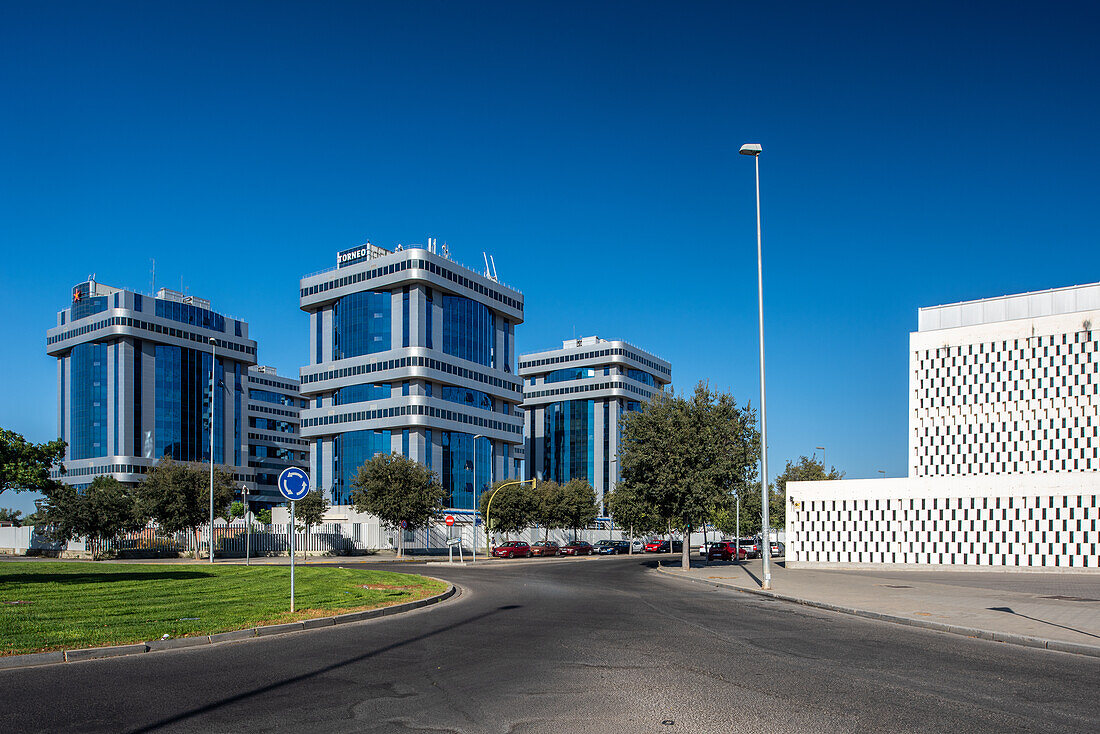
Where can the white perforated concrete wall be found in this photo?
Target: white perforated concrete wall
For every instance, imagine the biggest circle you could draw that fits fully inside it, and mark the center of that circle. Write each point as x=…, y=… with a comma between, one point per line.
x=1039, y=521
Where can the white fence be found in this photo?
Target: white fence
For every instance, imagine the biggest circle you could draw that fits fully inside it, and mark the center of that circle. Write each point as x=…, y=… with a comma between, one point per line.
x=330, y=538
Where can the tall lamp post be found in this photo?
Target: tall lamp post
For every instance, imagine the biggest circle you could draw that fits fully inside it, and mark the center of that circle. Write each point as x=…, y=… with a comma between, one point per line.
x=754, y=150
x=823, y=466
x=213, y=368
x=247, y=525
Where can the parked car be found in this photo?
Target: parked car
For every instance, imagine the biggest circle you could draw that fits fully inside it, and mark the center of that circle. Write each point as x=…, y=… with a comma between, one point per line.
x=661, y=546
x=513, y=549
x=778, y=548
x=751, y=546
x=577, y=548
x=703, y=547
x=725, y=550
x=612, y=547
x=545, y=548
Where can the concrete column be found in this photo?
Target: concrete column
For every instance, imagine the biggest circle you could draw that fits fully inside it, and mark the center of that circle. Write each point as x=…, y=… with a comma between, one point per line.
x=126, y=396
x=148, y=399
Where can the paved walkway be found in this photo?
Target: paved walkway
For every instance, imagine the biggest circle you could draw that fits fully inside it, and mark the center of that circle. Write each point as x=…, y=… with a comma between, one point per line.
x=1058, y=606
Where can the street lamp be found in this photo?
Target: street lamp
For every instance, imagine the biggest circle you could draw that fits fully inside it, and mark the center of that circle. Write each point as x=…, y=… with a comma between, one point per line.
x=754, y=150
x=822, y=450
x=213, y=367
x=489, y=505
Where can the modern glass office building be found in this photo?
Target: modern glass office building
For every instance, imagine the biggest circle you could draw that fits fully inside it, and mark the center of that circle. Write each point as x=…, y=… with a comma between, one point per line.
x=133, y=383
x=411, y=353
x=573, y=398
x=272, y=406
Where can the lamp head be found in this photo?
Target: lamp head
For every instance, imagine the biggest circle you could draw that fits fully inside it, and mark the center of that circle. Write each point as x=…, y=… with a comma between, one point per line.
x=750, y=149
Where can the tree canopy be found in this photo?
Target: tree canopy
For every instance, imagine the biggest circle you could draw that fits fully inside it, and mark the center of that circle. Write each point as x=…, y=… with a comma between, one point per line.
x=103, y=510
x=629, y=511
x=310, y=510
x=683, y=457
x=397, y=489
x=514, y=506
x=177, y=495
x=25, y=466
x=578, y=508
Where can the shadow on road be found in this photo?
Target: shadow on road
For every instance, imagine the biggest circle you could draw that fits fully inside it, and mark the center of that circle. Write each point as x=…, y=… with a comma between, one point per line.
x=1008, y=610
x=229, y=700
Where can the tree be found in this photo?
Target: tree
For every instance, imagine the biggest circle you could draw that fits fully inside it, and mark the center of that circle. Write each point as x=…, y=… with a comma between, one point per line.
x=263, y=516
x=236, y=510
x=311, y=509
x=549, y=501
x=25, y=466
x=579, y=506
x=398, y=490
x=102, y=511
x=630, y=511
x=684, y=456
x=807, y=469
x=177, y=495
x=514, y=507
x=12, y=516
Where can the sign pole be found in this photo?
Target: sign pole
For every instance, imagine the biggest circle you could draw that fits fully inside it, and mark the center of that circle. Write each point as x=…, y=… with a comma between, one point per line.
x=294, y=485
x=290, y=527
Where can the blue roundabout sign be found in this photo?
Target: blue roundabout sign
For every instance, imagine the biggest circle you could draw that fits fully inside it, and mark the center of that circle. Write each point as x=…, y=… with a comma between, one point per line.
x=293, y=483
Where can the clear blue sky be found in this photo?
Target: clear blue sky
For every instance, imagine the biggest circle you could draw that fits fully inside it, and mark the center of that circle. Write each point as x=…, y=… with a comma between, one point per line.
x=913, y=155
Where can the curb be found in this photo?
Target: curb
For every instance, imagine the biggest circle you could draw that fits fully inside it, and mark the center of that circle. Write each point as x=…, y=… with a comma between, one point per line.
x=95, y=653
x=1005, y=637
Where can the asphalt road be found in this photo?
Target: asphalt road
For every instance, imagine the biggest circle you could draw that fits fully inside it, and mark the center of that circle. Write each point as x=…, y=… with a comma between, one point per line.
x=601, y=645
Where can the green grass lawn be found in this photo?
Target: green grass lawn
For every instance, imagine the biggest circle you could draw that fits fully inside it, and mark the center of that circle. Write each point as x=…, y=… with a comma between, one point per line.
x=59, y=605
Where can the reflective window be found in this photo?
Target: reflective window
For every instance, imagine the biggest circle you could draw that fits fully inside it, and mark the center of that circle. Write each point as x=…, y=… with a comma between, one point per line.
x=640, y=376
x=361, y=324
x=88, y=306
x=272, y=424
x=187, y=313
x=569, y=440
x=88, y=401
x=268, y=396
x=468, y=330
x=139, y=443
x=138, y=302
x=405, y=317
x=361, y=393
x=468, y=397
x=459, y=466
x=570, y=373
x=182, y=391
x=351, y=451
x=428, y=310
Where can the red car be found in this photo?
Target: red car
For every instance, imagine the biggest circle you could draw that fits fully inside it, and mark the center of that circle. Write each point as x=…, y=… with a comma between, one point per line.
x=545, y=548
x=513, y=549
x=577, y=548
x=726, y=550
x=661, y=546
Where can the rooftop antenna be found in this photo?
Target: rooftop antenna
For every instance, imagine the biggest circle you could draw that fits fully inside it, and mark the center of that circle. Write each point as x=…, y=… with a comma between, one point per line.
x=153, y=276
x=446, y=251
x=486, y=257
x=494, y=262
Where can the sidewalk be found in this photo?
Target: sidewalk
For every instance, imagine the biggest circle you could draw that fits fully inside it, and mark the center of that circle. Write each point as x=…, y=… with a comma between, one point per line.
x=1057, y=611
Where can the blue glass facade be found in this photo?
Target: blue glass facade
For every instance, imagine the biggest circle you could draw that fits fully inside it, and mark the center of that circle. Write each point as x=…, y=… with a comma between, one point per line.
x=458, y=469
x=467, y=397
x=351, y=450
x=640, y=376
x=187, y=313
x=183, y=405
x=569, y=441
x=361, y=393
x=468, y=330
x=88, y=307
x=88, y=396
x=570, y=373
x=361, y=324
x=268, y=396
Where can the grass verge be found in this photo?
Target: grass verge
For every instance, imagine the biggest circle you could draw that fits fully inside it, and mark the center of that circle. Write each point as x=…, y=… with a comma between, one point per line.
x=61, y=605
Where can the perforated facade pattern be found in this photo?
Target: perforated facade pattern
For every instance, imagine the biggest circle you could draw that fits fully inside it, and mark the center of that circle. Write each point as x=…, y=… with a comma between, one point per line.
x=1006, y=397
x=992, y=521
